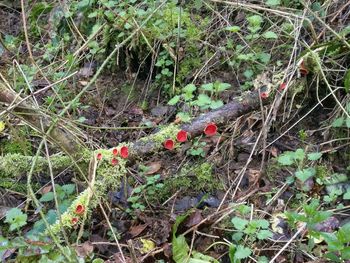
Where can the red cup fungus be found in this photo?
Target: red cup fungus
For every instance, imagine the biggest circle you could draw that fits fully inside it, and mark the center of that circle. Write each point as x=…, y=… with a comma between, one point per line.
x=282, y=86
x=114, y=162
x=115, y=151
x=75, y=220
x=264, y=95
x=210, y=129
x=124, y=152
x=302, y=69
x=99, y=156
x=169, y=144
x=181, y=136
x=79, y=209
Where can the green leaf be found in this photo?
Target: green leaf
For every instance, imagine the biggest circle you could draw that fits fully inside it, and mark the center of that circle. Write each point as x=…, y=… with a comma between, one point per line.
x=239, y=223
x=305, y=174
x=345, y=253
x=287, y=158
x=346, y=196
x=248, y=73
x=255, y=20
x=184, y=116
x=207, y=87
x=233, y=29
x=347, y=81
x=201, y=258
x=203, y=100
x=47, y=197
x=314, y=156
x=219, y=87
x=263, y=223
x=264, y=234
x=347, y=122
x=68, y=188
x=190, y=88
x=174, y=100
x=299, y=154
x=333, y=243
x=273, y=2
x=270, y=35
x=237, y=236
x=264, y=57
x=16, y=218
x=180, y=249
x=242, y=252
x=215, y=104
x=338, y=122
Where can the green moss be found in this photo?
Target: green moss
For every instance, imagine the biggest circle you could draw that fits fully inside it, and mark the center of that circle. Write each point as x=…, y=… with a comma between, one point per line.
x=191, y=180
x=14, y=165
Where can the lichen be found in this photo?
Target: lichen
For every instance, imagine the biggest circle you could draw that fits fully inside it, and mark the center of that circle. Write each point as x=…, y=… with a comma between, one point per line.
x=15, y=165
x=107, y=176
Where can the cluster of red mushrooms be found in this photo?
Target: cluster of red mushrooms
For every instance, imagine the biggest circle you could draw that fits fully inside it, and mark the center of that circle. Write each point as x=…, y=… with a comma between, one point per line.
x=79, y=211
x=182, y=136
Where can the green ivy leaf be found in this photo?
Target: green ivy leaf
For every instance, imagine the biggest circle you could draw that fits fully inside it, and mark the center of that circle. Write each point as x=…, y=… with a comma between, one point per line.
x=270, y=35
x=305, y=174
x=239, y=223
x=16, y=218
x=314, y=156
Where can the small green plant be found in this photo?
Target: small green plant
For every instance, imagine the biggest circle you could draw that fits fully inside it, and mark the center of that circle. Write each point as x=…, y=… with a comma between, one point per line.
x=148, y=189
x=301, y=161
x=206, y=99
x=197, y=149
x=246, y=232
x=16, y=219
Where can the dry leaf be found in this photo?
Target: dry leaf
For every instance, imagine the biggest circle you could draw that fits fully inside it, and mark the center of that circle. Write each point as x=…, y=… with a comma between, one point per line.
x=84, y=249
x=153, y=167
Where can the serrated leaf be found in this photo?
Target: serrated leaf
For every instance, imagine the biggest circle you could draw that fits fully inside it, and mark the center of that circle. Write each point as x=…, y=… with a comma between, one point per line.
x=314, y=156
x=216, y=104
x=299, y=154
x=347, y=81
x=264, y=234
x=287, y=158
x=270, y=35
x=174, y=100
x=190, y=88
x=15, y=218
x=242, y=252
x=239, y=223
x=47, y=197
x=203, y=100
x=207, y=87
x=305, y=174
